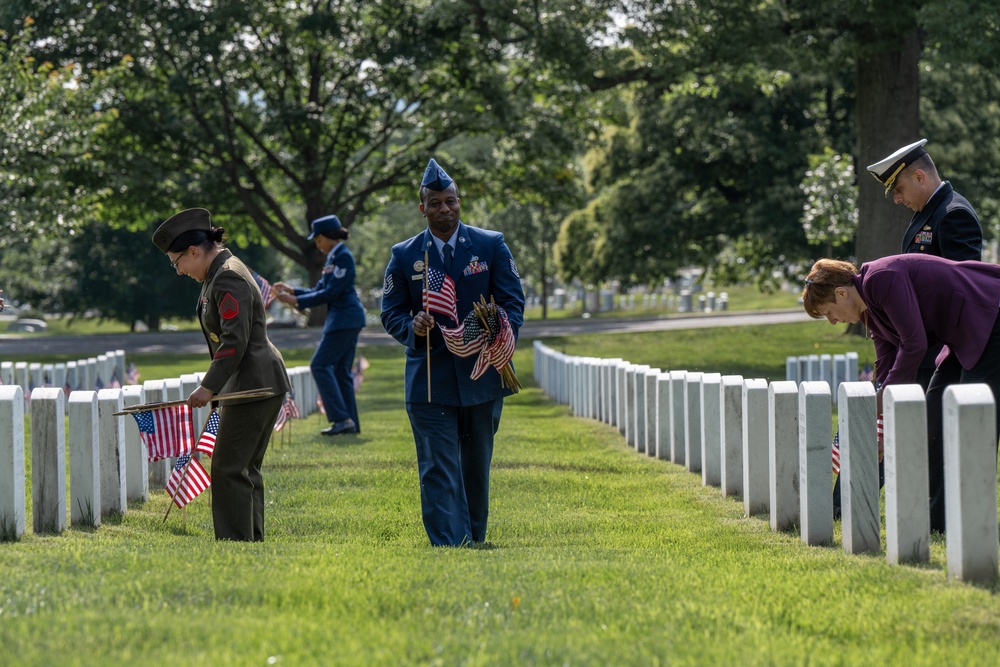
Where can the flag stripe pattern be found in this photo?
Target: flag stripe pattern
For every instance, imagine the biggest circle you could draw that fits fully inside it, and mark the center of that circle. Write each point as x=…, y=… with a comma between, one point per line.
x=500, y=351
x=836, y=453
x=439, y=294
x=194, y=481
x=168, y=432
x=281, y=419
x=132, y=374
x=467, y=338
x=206, y=443
x=265, y=289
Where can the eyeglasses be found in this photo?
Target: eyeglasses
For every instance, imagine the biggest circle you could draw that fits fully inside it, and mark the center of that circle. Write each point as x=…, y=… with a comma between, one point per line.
x=173, y=264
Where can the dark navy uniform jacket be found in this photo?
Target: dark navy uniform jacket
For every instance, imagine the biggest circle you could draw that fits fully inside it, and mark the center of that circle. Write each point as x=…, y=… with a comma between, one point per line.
x=946, y=227
x=336, y=289
x=482, y=266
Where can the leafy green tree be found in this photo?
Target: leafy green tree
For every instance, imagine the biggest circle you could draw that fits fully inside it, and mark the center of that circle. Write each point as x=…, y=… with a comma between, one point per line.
x=272, y=115
x=830, y=212
x=48, y=124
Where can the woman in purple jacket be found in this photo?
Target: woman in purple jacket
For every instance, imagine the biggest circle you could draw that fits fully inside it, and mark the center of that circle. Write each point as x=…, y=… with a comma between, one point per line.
x=908, y=302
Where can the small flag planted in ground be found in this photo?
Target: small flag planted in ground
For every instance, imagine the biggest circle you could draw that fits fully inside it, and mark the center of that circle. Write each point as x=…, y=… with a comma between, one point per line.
x=836, y=453
x=183, y=486
x=291, y=407
x=132, y=374
x=360, y=366
x=168, y=432
x=206, y=443
x=281, y=419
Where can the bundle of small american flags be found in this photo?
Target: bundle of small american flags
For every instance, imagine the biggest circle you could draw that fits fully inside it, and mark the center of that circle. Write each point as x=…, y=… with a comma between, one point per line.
x=169, y=432
x=486, y=329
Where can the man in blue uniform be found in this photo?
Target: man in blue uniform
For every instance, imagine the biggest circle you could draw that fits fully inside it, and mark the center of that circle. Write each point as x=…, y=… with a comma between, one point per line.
x=454, y=424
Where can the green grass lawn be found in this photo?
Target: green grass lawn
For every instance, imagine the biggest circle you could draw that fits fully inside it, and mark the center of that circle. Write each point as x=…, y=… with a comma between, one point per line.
x=598, y=555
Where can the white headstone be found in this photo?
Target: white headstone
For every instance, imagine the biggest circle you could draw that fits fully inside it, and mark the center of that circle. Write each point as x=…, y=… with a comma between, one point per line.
x=783, y=454
x=859, y=468
x=792, y=369
x=970, y=482
x=815, y=438
x=756, y=485
x=6, y=373
x=732, y=435
x=639, y=413
x=663, y=426
x=136, y=456
x=111, y=431
x=692, y=425
x=48, y=460
x=678, y=416
x=650, y=412
x=13, y=516
x=159, y=471
x=84, y=459
x=907, y=511
x=711, y=429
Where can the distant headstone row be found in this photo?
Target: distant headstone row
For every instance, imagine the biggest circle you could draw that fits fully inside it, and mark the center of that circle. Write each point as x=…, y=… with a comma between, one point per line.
x=108, y=462
x=831, y=369
x=770, y=445
x=105, y=371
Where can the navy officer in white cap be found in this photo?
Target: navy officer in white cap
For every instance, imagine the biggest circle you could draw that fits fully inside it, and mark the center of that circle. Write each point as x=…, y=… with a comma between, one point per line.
x=944, y=224
x=453, y=427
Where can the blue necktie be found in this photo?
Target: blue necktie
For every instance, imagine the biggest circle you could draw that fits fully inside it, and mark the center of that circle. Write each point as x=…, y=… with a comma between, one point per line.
x=447, y=258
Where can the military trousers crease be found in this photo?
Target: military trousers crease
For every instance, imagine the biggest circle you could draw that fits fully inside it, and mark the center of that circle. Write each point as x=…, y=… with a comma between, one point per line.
x=238, y=487
x=454, y=453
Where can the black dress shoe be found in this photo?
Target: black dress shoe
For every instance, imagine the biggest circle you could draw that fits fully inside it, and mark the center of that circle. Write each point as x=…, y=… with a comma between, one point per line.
x=340, y=428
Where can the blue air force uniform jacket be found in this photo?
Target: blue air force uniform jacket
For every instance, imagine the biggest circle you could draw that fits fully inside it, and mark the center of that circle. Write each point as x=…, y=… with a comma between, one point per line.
x=336, y=289
x=482, y=266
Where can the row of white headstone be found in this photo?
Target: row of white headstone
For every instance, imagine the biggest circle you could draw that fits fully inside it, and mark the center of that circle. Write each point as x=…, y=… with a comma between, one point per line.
x=770, y=444
x=108, y=462
x=830, y=368
x=85, y=374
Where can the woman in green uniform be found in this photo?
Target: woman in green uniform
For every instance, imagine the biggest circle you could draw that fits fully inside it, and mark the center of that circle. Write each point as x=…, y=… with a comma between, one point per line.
x=231, y=312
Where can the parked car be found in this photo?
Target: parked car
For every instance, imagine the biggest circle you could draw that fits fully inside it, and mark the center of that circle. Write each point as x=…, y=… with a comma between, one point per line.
x=27, y=325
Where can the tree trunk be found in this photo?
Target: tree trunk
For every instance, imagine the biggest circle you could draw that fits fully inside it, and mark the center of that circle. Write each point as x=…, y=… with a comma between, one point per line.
x=314, y=261
x=888, y=117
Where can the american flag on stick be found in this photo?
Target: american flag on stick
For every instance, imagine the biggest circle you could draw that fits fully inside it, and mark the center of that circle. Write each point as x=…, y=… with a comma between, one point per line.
x=168, y=432
x=206, y=443
x=132, y=374
x=836, y=453
x=187, y=480
x=265, y=289
x=439, y=297
x=281, y=419
x=291, y=407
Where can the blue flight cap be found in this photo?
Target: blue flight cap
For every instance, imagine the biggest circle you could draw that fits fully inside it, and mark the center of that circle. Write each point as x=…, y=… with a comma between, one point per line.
x=435, y=177
x=323, y=225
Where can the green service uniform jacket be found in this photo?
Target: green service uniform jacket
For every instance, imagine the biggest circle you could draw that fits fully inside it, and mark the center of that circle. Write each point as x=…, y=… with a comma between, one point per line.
x=231, y=312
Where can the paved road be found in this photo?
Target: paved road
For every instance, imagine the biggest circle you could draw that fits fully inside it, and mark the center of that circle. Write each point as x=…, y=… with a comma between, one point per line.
x=194, y=342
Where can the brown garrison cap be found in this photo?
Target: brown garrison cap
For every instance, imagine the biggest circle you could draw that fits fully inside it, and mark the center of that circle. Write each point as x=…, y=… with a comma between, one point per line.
x=177, y=224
